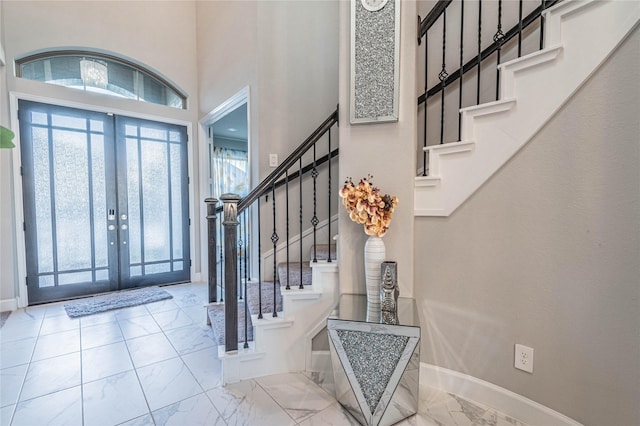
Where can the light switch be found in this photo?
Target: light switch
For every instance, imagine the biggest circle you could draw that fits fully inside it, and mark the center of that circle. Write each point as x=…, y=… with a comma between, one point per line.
x=273, y=160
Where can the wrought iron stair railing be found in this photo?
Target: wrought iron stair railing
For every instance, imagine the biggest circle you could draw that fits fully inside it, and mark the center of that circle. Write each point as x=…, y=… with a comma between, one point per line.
x=480, y=53
x=238, y=219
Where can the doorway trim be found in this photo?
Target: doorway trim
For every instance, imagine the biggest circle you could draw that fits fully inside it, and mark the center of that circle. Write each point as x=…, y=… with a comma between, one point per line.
x=241, y=97
x=18, y=208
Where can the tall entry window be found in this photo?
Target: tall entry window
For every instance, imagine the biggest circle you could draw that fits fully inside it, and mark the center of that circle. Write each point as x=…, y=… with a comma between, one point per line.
x=105, y=201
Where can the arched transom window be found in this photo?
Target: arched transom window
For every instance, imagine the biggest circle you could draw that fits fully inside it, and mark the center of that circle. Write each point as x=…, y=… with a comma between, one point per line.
x=103, y=73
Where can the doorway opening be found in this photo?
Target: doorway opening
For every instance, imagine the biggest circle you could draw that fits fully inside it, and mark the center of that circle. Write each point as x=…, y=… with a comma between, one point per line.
x=229, y=153
x=229, y=168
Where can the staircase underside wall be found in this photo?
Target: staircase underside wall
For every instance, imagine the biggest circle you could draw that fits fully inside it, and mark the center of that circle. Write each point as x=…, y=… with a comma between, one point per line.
x=579, y=37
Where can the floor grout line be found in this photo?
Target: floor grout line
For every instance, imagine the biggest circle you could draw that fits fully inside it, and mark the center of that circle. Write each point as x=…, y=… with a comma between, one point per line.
x=197, y=363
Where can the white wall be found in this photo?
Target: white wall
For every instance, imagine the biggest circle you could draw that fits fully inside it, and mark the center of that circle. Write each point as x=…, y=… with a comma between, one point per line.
x=227, y=51
x=286, y=52
x=546, y=255
x=385, y=151
x=297, y=72
x=8, y=276
x=159, y=35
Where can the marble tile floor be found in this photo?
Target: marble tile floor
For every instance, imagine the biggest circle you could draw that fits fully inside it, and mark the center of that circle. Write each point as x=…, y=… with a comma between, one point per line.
x=156, y=364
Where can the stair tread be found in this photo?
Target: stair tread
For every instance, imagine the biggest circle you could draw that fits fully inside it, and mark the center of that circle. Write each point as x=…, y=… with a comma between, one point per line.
x=216, y=316
x=267, y=297
x=297, y=274
x=323, y=251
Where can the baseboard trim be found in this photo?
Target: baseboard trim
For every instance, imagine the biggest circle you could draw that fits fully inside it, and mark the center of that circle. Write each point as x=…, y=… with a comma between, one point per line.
x=8, y=305
x=508, y=402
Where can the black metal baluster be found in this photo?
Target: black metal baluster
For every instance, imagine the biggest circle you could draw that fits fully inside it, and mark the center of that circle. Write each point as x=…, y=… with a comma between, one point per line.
x=246, y=302
x=443, y=74
x=240, y=244
x=259, y=264
x=498, y=38
x=300, y=236
x=286, y=184
x=426, y=98
x=479, y=49
x=314, y=219
x=542, y=6
x=519, y=28
x=246, y=322
x=274, y=240
x=329, y=199
x=246, y=246
x=221, y=258
x=461, y=68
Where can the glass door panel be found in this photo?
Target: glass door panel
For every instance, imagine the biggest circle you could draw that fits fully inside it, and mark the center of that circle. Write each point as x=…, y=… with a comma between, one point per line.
x=104, y=209
x=67, y=186
x=155, y=181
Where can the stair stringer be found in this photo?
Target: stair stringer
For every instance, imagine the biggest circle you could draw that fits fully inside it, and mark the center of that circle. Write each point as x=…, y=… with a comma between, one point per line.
x=580, y=36
x=280, y=343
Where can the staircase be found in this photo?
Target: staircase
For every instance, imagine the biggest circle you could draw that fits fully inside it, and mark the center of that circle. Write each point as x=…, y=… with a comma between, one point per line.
x=291, y=275
x=294, y=284
x=579, y=36
x=283, y=343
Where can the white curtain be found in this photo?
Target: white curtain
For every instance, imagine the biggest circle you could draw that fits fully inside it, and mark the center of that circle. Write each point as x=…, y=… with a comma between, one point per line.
x=230, y=172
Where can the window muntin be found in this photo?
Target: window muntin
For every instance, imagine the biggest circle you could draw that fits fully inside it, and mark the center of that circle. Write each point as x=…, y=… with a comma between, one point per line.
x=100, y=73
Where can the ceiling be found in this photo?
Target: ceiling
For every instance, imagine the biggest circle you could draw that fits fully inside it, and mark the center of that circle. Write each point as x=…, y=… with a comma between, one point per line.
x=236, y=119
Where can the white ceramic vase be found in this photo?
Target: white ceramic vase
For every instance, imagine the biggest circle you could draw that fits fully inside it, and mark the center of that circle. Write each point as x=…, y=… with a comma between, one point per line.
x=374, y=255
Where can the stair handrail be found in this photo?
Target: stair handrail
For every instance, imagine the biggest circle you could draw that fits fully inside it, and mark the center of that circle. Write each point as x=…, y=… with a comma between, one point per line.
x=268, y=181
x=438, y=10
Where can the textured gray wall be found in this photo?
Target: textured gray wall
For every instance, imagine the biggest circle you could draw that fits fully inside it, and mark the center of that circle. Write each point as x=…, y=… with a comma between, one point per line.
x=547, y=254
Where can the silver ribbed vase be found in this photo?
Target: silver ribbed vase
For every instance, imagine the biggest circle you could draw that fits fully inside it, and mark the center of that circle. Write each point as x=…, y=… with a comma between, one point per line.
x=374, y=254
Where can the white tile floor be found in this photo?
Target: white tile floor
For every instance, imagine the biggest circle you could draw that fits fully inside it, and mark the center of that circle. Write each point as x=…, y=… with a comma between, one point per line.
x=156, y=364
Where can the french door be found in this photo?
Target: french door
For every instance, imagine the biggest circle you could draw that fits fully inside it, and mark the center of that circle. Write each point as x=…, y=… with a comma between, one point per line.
x=105, y=202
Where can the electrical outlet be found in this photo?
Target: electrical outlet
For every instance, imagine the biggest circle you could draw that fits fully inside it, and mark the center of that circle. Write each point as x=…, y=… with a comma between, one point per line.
x=273, y=160
x=523, y=359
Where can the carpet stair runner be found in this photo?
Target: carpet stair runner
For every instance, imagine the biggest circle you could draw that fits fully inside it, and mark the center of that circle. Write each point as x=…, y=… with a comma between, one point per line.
x=301, y=272
x=297, y=273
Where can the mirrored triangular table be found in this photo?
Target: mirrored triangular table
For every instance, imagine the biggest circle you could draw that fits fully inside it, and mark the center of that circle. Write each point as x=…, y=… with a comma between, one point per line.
x=376, y=359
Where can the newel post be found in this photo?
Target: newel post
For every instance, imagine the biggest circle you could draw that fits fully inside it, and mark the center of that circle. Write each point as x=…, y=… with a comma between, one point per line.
x=230, y=222
x=211, y=244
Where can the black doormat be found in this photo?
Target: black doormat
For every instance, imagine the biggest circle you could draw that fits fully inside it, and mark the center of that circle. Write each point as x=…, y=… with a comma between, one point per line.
x=117, y=300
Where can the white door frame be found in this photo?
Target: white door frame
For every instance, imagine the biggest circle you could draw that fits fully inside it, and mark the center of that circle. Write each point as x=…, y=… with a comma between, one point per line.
x=241, y=97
